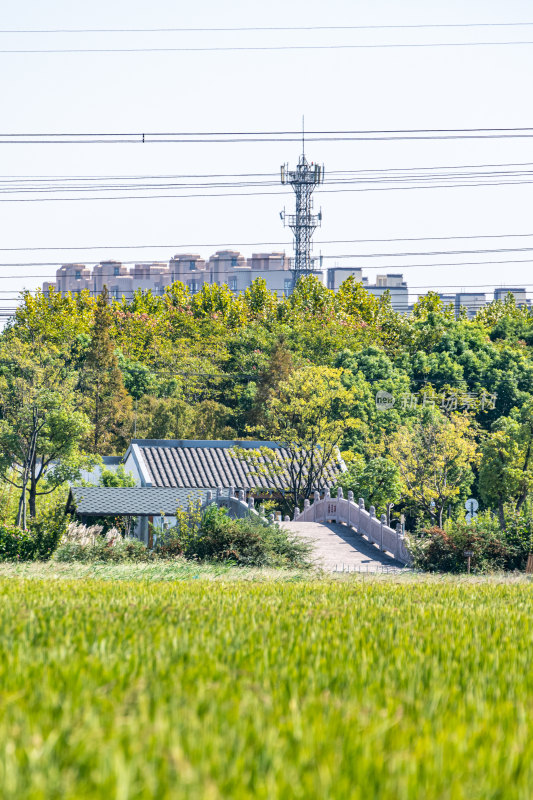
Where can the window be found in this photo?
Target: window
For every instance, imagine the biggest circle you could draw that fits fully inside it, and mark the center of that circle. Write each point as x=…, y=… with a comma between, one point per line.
x=234, y=261
x=287, y=286
x=78, y=274
x=193, y=286
x=116, y=271
x=233, y=284
x=192, y=264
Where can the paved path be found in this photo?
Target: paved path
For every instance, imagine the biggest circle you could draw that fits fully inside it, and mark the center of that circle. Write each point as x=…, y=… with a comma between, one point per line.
x=337, y=547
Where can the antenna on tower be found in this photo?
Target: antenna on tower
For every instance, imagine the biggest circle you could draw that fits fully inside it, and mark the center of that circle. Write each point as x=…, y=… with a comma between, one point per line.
x=304, y=179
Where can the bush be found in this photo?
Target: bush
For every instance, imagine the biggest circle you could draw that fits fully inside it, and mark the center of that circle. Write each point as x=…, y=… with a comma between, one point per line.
x=213, y=535
x=38, y=542
x=438, y=550
x=47, y=530
x=15, y=544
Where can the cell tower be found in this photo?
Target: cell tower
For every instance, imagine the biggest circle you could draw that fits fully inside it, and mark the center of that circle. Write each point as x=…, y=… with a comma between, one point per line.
x=303, y=223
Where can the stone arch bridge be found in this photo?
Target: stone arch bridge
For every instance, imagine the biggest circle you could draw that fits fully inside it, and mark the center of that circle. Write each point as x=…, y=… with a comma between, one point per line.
x=343, y=534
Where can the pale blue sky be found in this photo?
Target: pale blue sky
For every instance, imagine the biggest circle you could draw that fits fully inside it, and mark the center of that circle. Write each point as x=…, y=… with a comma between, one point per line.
x=336, y=89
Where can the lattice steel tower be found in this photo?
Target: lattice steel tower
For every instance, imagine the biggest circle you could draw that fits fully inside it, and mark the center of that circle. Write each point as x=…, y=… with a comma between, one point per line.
x=303, y=223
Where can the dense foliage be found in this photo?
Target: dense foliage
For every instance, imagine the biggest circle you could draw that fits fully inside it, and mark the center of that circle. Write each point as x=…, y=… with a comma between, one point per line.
x=78, y=375
x=209, y=535
x=492, y=547
x=214, y=536
x=37, y=542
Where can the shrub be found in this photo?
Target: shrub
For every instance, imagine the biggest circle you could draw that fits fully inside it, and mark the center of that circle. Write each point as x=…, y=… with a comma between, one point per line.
x=213, y=535
x=15, y=544
x=38, y=542
x=438, y=550
x=47, y=530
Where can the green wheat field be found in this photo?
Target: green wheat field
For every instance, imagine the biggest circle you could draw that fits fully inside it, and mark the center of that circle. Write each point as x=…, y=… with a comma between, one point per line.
x=234, y=684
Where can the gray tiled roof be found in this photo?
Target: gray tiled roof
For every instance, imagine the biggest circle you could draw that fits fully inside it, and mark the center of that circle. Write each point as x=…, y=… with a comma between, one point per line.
x=191, y=464
x=135, y=501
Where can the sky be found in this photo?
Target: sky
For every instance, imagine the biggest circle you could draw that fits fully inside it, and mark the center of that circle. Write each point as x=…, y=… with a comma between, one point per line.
x=342, y=89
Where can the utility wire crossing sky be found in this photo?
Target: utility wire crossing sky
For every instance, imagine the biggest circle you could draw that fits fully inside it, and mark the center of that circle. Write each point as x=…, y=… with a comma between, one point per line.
x=387, y=93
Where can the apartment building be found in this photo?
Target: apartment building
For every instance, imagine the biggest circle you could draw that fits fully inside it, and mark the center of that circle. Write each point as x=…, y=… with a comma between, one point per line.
x=519, y=295
x=225, y=267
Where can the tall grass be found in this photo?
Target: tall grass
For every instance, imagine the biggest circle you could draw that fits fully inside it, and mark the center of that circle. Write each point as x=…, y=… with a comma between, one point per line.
x=382, y=688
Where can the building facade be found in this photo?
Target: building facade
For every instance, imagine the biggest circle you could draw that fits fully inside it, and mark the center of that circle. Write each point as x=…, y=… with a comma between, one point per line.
x=224, y=268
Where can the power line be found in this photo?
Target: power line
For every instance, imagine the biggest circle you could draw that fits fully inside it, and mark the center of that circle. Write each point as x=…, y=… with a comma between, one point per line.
x=262, y=194
x=266, y=244
x=402, y=267
x=261, y=48
x=406, y=254
x=458, y=287
x=341, y=178
x=273, y=175
x=270, y=28
x=263, y=136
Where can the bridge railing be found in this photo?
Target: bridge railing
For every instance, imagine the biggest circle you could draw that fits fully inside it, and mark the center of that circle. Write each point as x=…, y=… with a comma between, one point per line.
x=237, y=504
x=354, y=515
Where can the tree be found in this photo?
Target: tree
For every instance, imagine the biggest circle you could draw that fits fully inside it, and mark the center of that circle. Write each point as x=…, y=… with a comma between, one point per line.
x=506, y=472
x=435, y=458
x=107, y=401
x=278, y=370
x=307, y=417
x=116, y=478
x=377, y=481
x=40, y=427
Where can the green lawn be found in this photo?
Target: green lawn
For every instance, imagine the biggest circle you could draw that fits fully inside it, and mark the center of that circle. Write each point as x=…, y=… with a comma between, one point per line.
x=264, y=686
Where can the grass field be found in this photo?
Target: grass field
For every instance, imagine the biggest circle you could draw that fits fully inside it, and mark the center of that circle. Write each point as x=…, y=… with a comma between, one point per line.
x=296, y=687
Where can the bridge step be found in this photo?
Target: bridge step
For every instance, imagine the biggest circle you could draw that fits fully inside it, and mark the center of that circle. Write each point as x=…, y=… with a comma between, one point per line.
x=337, y=547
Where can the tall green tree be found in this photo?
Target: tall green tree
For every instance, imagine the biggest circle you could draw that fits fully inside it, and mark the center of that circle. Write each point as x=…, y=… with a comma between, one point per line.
x=435, y=458
x=277, y=371
x=377, y=481
x=107, y=402
x=506, y=472
x=307, y=417
x=40, y=427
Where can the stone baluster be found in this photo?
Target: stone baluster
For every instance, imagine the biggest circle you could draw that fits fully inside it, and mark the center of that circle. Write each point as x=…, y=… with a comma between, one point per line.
x=398, y=538
x=350, y=520
x=383, y=521
x=296, y=513
x=340, y=493
x=232, y=491
x=241, y=495
x=209, y=497
x=372, y=514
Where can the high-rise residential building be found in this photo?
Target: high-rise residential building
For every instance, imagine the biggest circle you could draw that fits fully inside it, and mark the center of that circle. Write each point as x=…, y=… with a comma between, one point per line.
x=225, y=267
x=471, y=301
x=519, y=294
